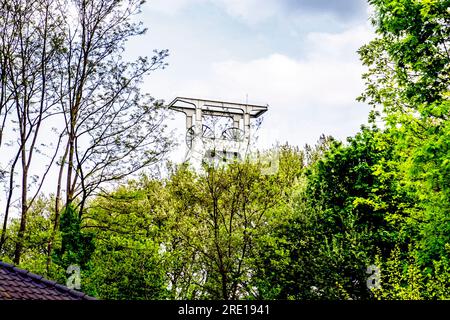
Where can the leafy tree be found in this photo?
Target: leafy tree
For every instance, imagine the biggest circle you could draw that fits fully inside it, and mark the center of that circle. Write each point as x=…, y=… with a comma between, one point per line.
x=340, y=216
x=76, y=246
x=35, y=239
x=128, y=224
x=28, y=48
x=404, y=278
x=224, y=211
x=112, y=129
x=409, y=79
x=307, y=231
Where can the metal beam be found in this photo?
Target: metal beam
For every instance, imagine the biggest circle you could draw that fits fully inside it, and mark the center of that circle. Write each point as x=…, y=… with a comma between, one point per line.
x=215, y=107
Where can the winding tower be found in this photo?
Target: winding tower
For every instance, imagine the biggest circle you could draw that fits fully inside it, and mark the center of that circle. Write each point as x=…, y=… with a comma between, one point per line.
x=216, y=131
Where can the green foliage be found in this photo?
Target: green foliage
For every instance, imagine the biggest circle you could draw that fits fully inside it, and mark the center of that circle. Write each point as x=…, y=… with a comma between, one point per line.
x=309, y=231
x=126, y=269
x=76, y=246
x=409, y=78
x=403, y=278
x=35, y=240
x=224, y=212
x=339, y=217
x=127, y=263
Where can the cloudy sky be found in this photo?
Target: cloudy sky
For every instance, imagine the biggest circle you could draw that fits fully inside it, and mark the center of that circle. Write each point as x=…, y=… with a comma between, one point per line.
x=297, y=56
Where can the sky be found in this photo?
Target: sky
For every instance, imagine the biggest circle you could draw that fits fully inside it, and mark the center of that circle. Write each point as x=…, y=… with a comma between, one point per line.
x=298, y=56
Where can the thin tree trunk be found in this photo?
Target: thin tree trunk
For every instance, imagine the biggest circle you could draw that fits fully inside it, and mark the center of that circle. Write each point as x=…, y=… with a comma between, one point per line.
x=57, y=213
x=23, y=218
x=8, y=201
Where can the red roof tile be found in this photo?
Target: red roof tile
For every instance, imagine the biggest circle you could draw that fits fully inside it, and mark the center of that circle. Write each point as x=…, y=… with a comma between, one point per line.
x=18, y=284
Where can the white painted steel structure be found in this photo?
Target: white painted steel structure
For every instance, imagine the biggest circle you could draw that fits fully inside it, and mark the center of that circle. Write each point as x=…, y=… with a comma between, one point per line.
x=203, y=144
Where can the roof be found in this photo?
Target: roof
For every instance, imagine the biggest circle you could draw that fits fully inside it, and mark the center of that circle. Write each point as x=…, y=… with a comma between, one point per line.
x=18, y=284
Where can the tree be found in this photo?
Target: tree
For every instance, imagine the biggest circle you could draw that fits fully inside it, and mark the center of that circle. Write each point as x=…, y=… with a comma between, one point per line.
x=409, y=79
x=113, y=130
x=102, y=102
x=129, y=225
x=408, y=84
x=76, y=246
x=225, y=212
x=404, y=278
x=335, y=223
x=63, y=60
x=28, y=47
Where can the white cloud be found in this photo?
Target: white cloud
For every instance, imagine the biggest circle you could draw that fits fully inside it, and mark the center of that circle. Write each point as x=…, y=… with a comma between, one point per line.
x=307, y=97
x=310, y=87
x=251, y=11
x=337, y=46
x=256, y=11
x=171, y=7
